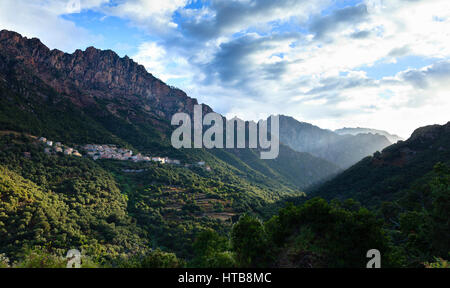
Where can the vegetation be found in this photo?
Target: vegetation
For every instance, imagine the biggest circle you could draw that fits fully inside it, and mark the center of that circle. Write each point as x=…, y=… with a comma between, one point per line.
x=50, y=203
x=440, y=263
x=243, y=212
x=59, y=202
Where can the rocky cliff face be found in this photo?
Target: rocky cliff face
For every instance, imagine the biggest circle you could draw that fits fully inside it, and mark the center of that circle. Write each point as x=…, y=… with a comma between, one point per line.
x=423, y=140
x=90, y=76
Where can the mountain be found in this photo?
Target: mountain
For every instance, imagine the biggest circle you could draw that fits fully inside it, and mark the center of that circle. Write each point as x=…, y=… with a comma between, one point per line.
x=342, y=150
x=96, y=97
x=121, y=213
x=355, y=131
x=408, y=186
x=407, y=190
x=387, y=175
x=91, y=76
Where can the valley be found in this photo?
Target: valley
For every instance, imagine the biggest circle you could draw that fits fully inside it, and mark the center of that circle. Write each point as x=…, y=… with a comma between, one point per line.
x=115, y=187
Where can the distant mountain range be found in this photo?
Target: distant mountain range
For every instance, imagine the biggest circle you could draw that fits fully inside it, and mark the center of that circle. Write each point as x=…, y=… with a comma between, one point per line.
x=342, y=150
x=354, y=131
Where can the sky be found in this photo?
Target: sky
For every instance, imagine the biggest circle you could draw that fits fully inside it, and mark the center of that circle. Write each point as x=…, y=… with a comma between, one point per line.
x=382, y=64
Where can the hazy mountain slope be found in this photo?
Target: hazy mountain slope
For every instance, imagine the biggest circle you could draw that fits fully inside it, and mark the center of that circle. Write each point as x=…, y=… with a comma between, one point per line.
x=343, y=150
x=385, y=176
x=355, y=131
x=294, y=167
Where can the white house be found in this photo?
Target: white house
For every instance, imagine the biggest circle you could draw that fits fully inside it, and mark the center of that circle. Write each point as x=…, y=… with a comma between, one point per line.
x=173, y=161
x=159, y=159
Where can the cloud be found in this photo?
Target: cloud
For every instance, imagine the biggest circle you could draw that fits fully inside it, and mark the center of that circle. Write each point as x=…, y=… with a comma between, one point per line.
x=321, y=26
x=361, y=34
x=337, y=84
x=154, y=16
x=225, y=17
x=398, y=52
x=43, y=20
x=421, y=78
x=165, y=66
x=239, y=60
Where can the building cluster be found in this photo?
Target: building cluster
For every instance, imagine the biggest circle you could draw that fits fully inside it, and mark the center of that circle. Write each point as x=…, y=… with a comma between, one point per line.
x=133, y=170
x=109, y=151
x=201, y=164
x=58, y=147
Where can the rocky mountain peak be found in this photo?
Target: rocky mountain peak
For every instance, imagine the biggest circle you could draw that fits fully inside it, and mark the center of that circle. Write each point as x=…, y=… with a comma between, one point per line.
x=93, y=74
x=429, y=132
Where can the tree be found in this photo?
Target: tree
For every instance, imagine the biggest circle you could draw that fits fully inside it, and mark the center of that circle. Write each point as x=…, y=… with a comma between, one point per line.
x=440, y=214
x=211, y=251
x=249, y=242
x=161, y=259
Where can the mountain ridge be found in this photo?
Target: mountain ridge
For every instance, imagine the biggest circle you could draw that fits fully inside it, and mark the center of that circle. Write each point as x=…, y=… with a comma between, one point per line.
x=359, y=130
x=343, y=150
x=386, y=175
x=120, y=76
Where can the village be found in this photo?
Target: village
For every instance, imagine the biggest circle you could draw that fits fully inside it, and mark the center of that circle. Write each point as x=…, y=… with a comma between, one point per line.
x=58, y=147
x=111, y=151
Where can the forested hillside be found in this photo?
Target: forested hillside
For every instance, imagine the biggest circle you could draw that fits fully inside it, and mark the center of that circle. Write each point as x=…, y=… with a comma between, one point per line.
x=107, y=210
x=408, y=186
x=388, y=175
x=410, y=232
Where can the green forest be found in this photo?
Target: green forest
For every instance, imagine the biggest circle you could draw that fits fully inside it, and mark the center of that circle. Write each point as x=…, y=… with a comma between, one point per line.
x=168, y=216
